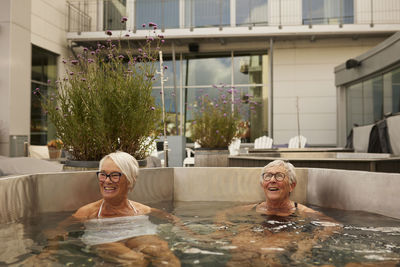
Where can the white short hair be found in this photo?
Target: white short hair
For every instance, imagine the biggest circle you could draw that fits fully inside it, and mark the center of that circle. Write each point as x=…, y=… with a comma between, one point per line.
x=288, y=167
x=126, y=163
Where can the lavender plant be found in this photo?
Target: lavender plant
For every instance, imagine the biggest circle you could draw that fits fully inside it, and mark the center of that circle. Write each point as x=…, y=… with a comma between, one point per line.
x=104, y=102
x=217, y=120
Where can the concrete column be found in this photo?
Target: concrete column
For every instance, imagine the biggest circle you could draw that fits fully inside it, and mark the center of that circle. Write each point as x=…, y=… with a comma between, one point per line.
x=15, y=71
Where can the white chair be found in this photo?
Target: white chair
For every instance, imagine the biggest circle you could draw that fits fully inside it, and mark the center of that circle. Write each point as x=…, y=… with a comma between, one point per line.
x=263, y=142
x=234, y=147
x=298, y=141
x=189, y=160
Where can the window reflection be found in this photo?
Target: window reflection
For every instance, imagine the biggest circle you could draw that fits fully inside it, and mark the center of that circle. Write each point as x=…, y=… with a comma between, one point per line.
x=208, y=71
x=201, y=74
x=253, y=12
x=207, y=13
x=113, y=11
x=164, y=13
x=328, y=12
x=44, y=73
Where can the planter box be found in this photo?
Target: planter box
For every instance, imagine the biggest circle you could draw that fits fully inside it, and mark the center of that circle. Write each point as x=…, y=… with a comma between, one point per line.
x=211, y=157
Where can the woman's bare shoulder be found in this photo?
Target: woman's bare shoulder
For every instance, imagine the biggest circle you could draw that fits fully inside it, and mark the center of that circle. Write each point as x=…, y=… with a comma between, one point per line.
x=141, y=208
x=88, y=211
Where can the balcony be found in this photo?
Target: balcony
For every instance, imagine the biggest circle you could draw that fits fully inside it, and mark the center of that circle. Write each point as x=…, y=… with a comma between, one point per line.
x=232, y=18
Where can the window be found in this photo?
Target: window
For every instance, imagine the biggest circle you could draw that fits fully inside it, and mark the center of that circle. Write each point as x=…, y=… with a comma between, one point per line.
x=199, y=74
x=391, y=85
x=328, y=12
x=44, y=75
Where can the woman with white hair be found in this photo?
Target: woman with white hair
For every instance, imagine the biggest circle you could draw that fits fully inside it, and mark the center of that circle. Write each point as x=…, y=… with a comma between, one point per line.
x=278, y=180
x=116, y=176
x=117, y=228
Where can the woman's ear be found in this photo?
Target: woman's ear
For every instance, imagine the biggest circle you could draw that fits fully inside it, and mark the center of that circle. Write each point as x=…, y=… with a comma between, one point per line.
x=292, y=186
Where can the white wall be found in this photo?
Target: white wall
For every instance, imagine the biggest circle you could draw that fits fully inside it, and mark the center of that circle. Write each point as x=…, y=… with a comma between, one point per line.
x=49, y=24
x=305, y=69
x=14, y=70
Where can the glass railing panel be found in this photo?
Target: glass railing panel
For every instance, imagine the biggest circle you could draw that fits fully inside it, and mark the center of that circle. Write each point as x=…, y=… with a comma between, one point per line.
x=251, y=12
x=207, y=13
x=165, y=13
x=328, y=12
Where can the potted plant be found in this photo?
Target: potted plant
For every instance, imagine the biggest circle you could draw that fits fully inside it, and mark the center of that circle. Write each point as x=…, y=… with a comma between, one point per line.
x=218, y=119
x=55, y=147
x=104, y=101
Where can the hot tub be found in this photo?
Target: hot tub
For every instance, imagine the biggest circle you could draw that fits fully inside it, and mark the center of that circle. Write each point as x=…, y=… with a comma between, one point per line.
x=33, y=196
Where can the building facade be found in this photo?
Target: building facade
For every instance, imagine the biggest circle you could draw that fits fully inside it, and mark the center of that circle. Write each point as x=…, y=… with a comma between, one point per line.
x=368, y=87
x=282, y=53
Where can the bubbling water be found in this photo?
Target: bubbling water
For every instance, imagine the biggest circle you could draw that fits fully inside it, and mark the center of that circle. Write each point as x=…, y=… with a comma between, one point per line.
x=246, y=238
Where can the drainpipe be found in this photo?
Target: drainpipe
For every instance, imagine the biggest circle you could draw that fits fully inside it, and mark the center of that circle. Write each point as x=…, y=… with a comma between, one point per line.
x=271, y=89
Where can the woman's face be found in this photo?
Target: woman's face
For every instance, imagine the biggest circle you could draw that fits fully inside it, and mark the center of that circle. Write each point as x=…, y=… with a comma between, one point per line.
x=275, y=190
x=110, y=189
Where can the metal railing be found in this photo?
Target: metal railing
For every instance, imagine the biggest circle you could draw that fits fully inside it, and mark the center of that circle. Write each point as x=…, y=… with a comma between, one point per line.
x=99, y=15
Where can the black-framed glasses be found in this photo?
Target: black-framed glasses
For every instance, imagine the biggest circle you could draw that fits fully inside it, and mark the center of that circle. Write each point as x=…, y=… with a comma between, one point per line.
x=279, y=176
x=114, y=176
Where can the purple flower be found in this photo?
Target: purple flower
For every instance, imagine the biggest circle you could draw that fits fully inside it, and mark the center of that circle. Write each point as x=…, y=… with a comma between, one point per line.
x=217, y=131
x=64, y=61
x=85, y=49
x=162, y=41
x=152, y=24
x=57, y=108
x=140, y=50
x=224, y=114
x=90, y=60
x=48, y=81
x=124, y=19
x=155, y=27
x=152, y=108
x=74, y=62
x=165, y=67
x=143, y=25
x=83, y=79
x=121, y=57
x=127, y=35
x=71, y=73
x=108, y=32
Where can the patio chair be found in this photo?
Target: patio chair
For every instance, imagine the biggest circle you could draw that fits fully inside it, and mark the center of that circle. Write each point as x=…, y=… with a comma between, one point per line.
x=263, y=142
x=298, y=141
x=189, y=160
x=234, y=147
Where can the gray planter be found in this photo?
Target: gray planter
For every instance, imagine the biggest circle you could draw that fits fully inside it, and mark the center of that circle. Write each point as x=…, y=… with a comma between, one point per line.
x=204, y=157
x=81, y=165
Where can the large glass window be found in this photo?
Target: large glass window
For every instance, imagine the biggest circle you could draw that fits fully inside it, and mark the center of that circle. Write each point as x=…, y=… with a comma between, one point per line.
x=164, y=13
x=198, y=77
x=251, y=12
x=44, y=75
x=328, y=12
x=207, y=13
x=391, y=83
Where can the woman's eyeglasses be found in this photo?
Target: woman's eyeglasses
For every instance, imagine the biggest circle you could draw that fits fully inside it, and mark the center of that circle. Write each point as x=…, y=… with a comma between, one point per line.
x=279, y=176
x=114, y=176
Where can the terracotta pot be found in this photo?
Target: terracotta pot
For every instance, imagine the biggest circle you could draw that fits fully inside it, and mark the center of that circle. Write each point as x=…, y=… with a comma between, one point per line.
x=54, y=153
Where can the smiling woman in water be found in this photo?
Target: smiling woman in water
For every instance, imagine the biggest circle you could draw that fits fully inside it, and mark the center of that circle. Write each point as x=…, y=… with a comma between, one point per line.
x=277, y=228
x=119, y=230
